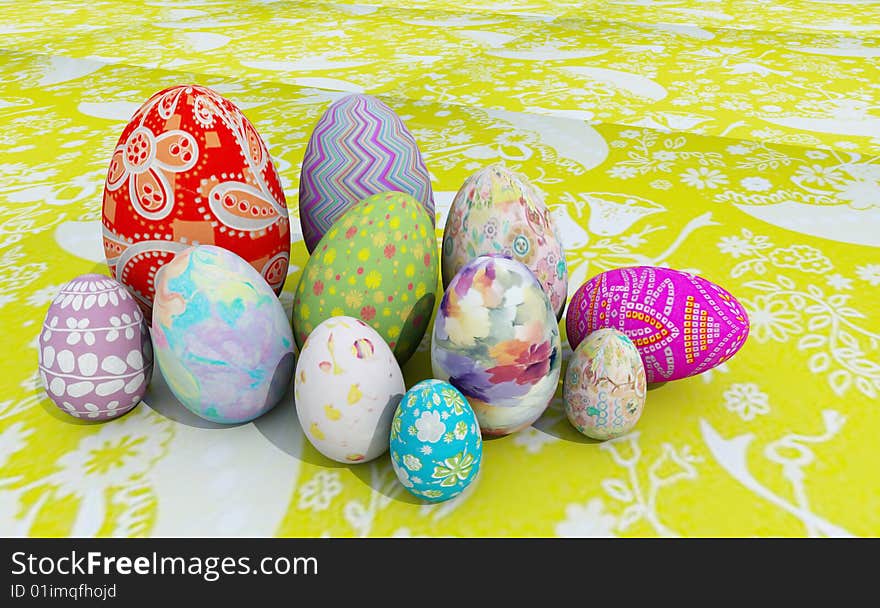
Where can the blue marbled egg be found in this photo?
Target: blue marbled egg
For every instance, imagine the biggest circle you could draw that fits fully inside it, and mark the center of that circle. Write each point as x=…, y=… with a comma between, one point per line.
x=436, y=447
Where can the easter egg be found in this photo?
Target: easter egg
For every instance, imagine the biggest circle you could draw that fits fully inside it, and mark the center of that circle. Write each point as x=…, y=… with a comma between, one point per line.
x=359, y=147
x=436, y=448
x=500, y=211
x=190, y=169
x=605, y=386
x=496, y=340
x=378, y=263
x=221, y=337
x=346, y=387
x=95, y=356
x=681, y=323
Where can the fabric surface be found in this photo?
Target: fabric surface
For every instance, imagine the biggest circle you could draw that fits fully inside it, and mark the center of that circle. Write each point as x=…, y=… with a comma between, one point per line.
x=735, y=139
x=188, y=139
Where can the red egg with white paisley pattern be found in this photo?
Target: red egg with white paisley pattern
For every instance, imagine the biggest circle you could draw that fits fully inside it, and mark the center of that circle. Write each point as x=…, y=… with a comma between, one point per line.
x=190, y=168
x=681, y=323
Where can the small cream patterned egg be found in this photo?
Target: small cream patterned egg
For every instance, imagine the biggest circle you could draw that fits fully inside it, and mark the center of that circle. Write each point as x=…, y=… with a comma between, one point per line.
x=605, y=387
x=95, y=354
x=347, y=387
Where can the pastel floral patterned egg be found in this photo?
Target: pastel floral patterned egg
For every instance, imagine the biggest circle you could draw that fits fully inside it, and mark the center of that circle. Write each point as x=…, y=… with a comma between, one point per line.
x=681, y=324
x=436, y=447
x=496, y=340
x=95, y=355
x=499, y=211
x=379, y=264
x=605, y=386
x=222, y=340
x=359, y=147
x=189, y=169
x=346, y=388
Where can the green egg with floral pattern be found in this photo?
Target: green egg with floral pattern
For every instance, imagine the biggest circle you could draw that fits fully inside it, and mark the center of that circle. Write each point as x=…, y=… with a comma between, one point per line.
x=378, y=263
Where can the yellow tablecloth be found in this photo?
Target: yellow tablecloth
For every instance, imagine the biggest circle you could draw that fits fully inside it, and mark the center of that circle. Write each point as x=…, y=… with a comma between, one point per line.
x=735, y=138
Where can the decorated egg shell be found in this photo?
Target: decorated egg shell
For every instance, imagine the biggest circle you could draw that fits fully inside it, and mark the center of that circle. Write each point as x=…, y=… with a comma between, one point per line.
x=680, y=323
x=436, y=448
x=500, y=211
x=496, y=340
x=359, y=148
x=378, y=263
x=604, y=389
x=222, y=340
x=95, y=356
x=347, y=386
x=190, y=169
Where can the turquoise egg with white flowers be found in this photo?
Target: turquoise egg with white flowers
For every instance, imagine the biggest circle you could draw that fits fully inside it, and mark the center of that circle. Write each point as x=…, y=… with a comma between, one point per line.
x=436, y=447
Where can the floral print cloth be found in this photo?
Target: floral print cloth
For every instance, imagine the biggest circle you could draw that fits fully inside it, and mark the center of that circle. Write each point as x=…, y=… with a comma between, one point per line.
x=739, y=140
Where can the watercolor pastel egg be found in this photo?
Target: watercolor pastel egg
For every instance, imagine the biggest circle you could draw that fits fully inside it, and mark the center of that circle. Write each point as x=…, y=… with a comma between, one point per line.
x=496, y=340
x=346, y=388
x=359, y=147
x=222, y=340
x=95, y=355
x=378, y=263
x=681, y=324
x=436, y=447
x=605, y=385
x=498, y=211
x=190, y=169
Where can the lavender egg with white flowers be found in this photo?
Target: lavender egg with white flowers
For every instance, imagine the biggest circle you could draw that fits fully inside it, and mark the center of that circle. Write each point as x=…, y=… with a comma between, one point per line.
x=95, y=355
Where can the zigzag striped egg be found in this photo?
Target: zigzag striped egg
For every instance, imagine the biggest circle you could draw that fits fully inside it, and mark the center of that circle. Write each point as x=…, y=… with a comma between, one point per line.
x=681, y=324
x=359, y=148
x=190, y=169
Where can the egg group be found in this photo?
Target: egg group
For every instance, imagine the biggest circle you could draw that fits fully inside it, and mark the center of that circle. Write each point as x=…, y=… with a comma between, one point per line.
x=605, y=387
x=358, y=148
x=436, y=448
x=188, y=169
x=378, y=263
x=95, y=356
x=196, y=236
x=681, y=324
x=221, y=337
x=496, y=340
x=499, y=211
x=347, y=387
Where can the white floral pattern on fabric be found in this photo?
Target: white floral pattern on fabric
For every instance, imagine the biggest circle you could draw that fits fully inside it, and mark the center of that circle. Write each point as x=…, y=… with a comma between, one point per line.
x=13, y=440
x=869, y=273
x=533, y=439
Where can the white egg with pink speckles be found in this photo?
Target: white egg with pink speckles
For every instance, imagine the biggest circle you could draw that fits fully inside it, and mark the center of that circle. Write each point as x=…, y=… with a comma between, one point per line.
x=95, y=355
x=347, y=386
